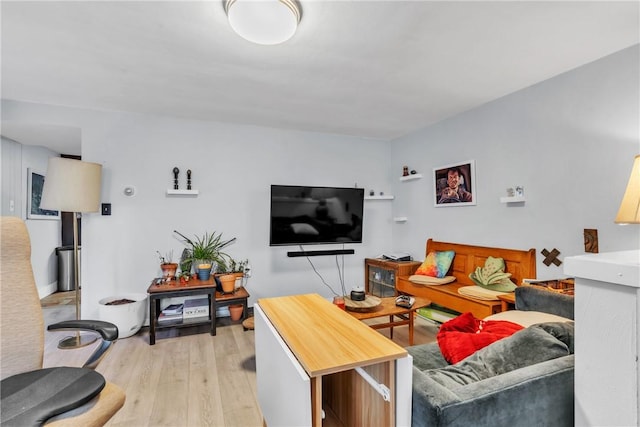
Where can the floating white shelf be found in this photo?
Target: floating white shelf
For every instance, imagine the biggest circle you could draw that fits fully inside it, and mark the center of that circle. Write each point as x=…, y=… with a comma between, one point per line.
x=411, y=177
x=385, y=197
x=400, y=219
x=513, y=199
x=172, y=192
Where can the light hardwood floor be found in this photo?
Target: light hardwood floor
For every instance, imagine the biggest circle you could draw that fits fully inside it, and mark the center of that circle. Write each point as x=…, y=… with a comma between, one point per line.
x=191, y=380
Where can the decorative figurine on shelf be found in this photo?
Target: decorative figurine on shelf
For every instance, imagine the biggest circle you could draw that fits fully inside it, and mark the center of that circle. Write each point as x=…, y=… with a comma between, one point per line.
x=372, y=193
x=519, y=191
x=413, y=172
x=188, y=179
x=176, y=171
x=405, y=171
x=382, y=193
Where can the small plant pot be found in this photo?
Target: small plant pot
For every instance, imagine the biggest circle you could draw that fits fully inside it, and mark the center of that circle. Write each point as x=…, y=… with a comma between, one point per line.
x=239, y=277
x=235, y=310
x=204, y=271
x=228, y=282
x=169, y=270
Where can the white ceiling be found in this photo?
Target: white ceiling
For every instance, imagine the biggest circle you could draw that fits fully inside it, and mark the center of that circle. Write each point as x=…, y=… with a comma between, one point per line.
x=376, y=69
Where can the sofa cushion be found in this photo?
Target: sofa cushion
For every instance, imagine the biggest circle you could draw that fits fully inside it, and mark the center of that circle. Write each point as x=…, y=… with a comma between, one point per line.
x=427, y=356
x=464, y=335
x=527, y=318
x=431, y=281
x=527, y=347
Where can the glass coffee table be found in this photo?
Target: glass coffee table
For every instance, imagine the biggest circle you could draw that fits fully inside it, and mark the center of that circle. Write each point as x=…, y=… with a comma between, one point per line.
x=398, y=316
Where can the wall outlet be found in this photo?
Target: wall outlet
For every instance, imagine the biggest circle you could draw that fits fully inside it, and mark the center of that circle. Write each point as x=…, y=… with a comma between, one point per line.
x=247, y=271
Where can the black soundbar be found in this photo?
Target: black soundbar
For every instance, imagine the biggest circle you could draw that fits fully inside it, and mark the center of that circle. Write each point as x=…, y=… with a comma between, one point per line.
x=320, y=253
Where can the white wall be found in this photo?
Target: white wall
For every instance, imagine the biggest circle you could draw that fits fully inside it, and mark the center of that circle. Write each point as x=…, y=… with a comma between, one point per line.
x=233, y=167
x=570, y=141
x=45, y=234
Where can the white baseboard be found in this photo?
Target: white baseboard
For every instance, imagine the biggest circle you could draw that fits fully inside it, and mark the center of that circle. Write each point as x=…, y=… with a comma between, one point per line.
x=44, y=291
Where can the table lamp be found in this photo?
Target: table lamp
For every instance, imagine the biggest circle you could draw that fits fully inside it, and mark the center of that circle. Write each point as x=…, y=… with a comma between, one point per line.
x=629, y=212
x=73, y=186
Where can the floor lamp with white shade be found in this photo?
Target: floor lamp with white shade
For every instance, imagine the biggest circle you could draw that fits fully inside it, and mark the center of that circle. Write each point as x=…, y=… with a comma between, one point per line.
x=73, y=186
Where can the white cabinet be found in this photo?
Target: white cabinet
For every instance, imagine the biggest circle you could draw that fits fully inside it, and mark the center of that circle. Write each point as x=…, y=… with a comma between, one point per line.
x=317, y=365
x=607, y=300
x=280, y=379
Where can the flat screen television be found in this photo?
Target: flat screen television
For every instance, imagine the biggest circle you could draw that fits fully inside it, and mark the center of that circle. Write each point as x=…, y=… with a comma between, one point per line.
x=315, y=215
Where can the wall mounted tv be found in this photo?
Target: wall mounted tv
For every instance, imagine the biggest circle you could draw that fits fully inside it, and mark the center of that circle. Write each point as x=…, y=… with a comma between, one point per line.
x=315, y=215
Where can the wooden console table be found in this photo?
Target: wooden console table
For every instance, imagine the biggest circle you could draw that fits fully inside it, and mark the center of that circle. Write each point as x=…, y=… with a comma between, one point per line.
x=312, y=364
x=389, y=308
x=172, y=289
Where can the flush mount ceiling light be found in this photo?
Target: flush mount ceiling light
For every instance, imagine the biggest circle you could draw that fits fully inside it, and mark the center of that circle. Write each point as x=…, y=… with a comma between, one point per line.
x=265, y=22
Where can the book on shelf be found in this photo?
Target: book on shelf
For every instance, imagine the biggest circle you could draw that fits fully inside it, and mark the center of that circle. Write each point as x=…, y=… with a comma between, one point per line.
x=169, y=318
x=223, y=311
x=437, y=313
x=196, y=308
x=195, y=319
x=173, y=309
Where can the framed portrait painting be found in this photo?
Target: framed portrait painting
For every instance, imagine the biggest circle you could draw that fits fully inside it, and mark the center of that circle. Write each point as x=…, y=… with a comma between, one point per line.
x=455, y=184
x=35, y=184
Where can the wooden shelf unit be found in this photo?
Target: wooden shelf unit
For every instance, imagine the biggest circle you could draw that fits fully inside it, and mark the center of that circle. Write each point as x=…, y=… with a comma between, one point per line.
x=173, y=289
x=381, y=276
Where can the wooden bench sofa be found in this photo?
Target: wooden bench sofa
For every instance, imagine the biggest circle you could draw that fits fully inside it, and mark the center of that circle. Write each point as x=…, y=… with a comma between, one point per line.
x=520, y=263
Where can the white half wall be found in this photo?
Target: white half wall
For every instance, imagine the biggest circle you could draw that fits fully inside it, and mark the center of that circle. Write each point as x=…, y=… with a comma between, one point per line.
x=570, y=141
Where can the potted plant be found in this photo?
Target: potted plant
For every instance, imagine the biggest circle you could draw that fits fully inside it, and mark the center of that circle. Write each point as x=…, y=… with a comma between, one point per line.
x=167, y=265
x=231, y=275
x=185, y=266
x=228, y=282
x=206, y=252
x=235, y=311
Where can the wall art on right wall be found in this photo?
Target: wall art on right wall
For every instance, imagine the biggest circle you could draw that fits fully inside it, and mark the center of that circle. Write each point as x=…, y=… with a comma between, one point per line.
x=455, y=184
x=591, y=240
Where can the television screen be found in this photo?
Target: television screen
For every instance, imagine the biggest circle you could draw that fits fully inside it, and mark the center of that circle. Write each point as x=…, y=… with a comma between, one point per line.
x=315, y=215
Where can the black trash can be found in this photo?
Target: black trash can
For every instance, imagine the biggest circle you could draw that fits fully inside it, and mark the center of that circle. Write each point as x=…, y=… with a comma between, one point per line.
x=65, y=268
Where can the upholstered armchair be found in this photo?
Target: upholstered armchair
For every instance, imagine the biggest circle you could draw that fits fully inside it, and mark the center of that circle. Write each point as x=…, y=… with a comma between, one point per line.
x=31, y=395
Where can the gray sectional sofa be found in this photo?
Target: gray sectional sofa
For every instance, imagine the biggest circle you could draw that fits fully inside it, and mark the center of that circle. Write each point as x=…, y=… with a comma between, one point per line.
x=522, y=380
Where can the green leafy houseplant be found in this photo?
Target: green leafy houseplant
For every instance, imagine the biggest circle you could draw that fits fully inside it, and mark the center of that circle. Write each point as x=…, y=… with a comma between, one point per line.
x=233, y=266
x=230, y=273
x=185, y=263
x=206, y=249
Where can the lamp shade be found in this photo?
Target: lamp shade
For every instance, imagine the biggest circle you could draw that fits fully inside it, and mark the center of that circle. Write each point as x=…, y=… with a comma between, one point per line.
x=71, y=186
x=629, y=212
x=266, y=22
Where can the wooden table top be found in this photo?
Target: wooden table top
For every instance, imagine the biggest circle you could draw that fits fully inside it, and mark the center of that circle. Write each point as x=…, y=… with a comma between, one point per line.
x=324, y=338
x=509, y=298
x=175, y=285
x=195, y=283
x=388, y=307
x=241, y=292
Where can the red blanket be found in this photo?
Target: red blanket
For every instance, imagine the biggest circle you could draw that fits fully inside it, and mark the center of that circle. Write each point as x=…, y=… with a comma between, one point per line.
x=462, y=336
